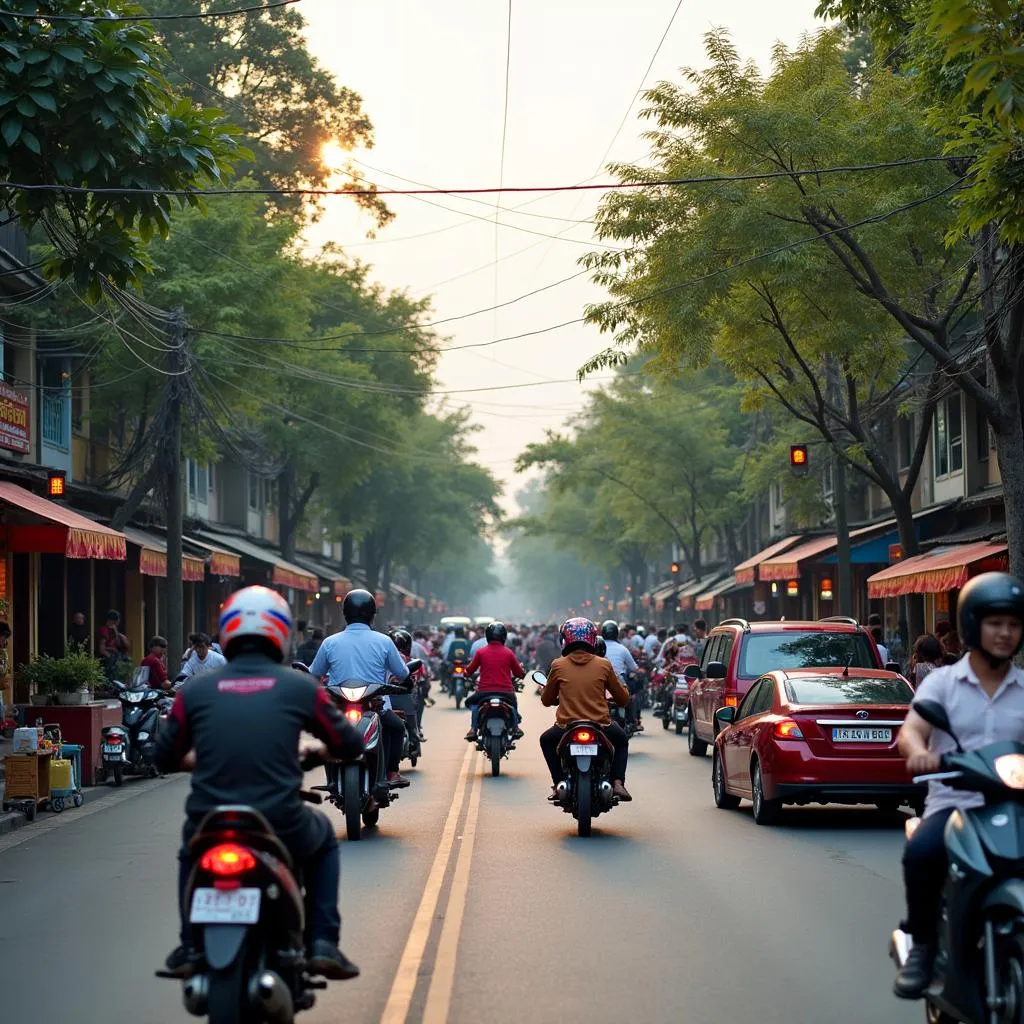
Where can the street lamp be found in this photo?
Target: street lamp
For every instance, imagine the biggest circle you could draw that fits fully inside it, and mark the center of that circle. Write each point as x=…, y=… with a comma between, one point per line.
x=55, y=483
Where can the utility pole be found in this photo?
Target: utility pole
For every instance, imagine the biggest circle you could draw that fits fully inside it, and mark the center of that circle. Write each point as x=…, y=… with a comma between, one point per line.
x=844, y=575
x=177, y=365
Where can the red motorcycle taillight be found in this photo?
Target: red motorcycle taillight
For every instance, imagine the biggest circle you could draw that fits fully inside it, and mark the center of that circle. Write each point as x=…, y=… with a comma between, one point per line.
x=583, y=736
x=227, y=859
x=353, y=714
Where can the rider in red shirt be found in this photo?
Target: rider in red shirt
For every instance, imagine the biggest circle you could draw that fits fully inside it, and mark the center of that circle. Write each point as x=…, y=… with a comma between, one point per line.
x=498, y=667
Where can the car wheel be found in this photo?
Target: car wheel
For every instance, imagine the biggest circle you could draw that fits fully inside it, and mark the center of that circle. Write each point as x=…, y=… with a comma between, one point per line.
x=696, y=747
x=766, y=812
x=723, y=798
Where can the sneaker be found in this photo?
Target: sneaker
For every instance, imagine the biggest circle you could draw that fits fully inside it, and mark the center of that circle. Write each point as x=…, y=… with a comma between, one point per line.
x=619, y=790
x=397, y=781
x=178, y=961
x=471, y=735
x=518, y=734
x=329, y=962
x=915, y=975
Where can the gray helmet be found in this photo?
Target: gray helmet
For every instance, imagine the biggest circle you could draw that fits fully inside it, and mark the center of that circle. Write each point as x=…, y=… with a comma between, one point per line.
x=991, y=593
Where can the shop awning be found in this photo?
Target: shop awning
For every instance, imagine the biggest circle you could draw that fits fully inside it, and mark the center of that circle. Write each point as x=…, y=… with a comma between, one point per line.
x=945, y=568
x=786, y=566
x=746, y=572
x=68, y=533
x=153, y=556
x=283, y=574
x=689, y=592
x=706, y=601
x=409, y=598
x=323, y=571
x=220, y=561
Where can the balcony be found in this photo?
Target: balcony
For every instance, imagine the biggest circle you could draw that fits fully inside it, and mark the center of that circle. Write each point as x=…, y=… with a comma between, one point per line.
x=55, y=414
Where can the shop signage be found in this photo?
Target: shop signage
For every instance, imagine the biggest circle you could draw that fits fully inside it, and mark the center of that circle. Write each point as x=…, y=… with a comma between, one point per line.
x=14, y=420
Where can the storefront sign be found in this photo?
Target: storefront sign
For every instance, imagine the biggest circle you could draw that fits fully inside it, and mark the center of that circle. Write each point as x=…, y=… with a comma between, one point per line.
x=14, y=420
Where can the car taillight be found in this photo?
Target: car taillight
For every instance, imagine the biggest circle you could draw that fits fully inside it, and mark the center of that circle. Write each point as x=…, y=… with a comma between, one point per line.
x=227, y=859
x=583, y=736
x=787, y=729
x=353, y=714
x=731, y=701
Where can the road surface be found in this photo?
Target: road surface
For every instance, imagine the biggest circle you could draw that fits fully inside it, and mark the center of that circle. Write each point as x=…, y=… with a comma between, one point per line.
x=475, y=900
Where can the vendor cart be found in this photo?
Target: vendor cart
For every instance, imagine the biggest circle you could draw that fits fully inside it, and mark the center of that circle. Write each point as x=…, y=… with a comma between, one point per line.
x=66, y=778
x=27, y=782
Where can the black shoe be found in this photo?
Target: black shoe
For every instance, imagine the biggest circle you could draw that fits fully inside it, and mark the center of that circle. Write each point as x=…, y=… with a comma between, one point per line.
x=329, y=962
x=915, y=975
x=178, y=962
x=518, y=734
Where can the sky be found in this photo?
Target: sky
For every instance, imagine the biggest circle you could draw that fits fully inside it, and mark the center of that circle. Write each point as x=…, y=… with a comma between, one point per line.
x=433, y=80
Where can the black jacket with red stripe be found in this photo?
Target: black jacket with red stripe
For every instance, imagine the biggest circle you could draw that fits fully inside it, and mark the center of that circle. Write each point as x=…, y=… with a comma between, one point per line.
x=243, y=721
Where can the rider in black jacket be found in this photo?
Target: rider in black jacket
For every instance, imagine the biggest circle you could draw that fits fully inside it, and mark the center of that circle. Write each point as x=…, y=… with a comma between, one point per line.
x=242, y=723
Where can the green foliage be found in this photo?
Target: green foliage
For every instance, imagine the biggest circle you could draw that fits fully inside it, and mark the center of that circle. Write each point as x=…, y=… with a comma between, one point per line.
x=75, y=671
x=86, y=104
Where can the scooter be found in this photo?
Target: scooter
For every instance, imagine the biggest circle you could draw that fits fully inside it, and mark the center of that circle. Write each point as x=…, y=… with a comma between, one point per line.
x=458, y=682
x=129, y=747
x=495, y=729
x=978, y=976
x=679, y=709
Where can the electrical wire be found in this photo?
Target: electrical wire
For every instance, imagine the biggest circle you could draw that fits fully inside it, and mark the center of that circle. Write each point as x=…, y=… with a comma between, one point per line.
x=270, y=5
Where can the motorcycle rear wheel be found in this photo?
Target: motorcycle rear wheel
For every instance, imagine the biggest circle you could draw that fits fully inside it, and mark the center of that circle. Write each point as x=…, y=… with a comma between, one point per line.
x=224, y=1004
x=353, y=801
x=679, y=726
x=583, y=806
x=665, y=722
x=117, y=772
x=494, y=752
x=1010, y=972
x=933, y=1015
x=458, y=702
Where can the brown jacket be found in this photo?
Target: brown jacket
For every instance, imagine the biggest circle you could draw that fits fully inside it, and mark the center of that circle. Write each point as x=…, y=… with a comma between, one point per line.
x=578, y=683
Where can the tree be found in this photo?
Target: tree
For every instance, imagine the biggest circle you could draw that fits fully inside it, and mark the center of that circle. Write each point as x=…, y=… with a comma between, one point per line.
x=962, y=61
x=740, y=265
x=86, y=104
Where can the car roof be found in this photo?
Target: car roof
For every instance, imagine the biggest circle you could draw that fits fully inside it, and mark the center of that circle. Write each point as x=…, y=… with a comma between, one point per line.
x=780, y=626
x=831, y=671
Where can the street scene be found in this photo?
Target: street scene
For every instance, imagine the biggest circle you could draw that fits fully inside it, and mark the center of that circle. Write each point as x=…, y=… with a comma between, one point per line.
x=511, y=511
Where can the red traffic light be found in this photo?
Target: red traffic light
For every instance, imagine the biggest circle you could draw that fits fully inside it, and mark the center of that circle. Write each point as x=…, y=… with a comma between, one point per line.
x=798, y=459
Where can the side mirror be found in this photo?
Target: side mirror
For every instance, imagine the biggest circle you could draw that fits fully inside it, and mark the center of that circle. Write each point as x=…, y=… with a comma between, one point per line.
x=692, y=672
x=300, y=666
x=715, y=670
x=892, y=666
x=414, y=666
x=725, y=716
x=539, y=678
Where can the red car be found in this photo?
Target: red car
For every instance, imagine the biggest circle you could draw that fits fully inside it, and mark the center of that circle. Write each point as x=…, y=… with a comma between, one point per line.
x=804, y=736
x=737, y=653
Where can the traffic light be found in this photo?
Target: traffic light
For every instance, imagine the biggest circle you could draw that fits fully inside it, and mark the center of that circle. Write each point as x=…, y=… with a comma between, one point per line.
x=798, y=459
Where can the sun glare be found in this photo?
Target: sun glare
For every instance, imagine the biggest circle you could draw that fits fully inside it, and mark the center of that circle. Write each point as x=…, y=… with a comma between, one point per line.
x=333, y=155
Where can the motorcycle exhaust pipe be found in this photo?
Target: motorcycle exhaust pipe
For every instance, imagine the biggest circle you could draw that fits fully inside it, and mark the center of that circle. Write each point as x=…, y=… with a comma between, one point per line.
x=563, y=790
x=271, y=996
x=900, y=945
x=605, y=789
x=194, y=994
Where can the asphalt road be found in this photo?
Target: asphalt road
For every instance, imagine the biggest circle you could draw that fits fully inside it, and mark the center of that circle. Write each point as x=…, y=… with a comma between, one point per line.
x=475, y=900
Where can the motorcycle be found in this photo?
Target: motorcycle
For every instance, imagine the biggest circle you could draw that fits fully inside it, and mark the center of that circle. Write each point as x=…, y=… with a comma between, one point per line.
x=621, y=715
x=458, y=682
x=246, y=919
x=680, y=706
x=359, y=788
x=978, y=977
x=495, y=730
x=585, y=754
x=128, y=747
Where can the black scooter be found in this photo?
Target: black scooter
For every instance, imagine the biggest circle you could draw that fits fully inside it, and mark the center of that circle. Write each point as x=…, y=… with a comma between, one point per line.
x=128, y=747
x=979, y=968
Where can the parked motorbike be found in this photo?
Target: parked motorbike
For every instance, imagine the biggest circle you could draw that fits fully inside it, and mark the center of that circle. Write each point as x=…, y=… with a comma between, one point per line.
x=246, y=920
x=359, y=788
x=128, y=748
x=978, y=976
x=495, y=730
x=586, y=757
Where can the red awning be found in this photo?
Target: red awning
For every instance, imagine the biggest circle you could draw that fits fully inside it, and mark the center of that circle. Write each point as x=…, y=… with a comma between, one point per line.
x=297, y=579
x=746, y=572
x=72, y=534
x=153, y=557
x=787, y=566
x=945, y=568
x=342, y=586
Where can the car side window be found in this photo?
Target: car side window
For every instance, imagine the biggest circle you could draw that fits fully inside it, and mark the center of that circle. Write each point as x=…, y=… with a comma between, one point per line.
x=747, y=705
x=709, y=650
x=725, y=650
x=765, y=696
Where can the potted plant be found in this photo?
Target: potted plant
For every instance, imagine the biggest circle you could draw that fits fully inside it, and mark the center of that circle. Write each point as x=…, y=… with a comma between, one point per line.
x=37, y=678
x=75, y=676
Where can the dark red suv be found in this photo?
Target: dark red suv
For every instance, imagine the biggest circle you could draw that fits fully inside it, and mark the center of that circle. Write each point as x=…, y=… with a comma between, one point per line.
x=738, y=653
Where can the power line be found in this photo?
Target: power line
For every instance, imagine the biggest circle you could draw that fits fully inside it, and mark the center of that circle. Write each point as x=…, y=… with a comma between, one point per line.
x=610, y=186
x=23, y=16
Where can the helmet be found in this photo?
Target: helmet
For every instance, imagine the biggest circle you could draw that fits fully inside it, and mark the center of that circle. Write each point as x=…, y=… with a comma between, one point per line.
x=600, y=648
x=359, y=606
x=256, y=614
x=641, y=631
x=991, y=593
x=402, y=639
x=577, y=631
x=610, y=629
x=496, y=631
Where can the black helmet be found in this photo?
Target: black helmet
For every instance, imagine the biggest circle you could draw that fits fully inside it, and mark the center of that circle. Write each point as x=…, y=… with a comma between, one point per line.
x=600, y=648
x=991, y=593
x=359, y=606
x=403, y=641
x=610, y=629
x=496, y=632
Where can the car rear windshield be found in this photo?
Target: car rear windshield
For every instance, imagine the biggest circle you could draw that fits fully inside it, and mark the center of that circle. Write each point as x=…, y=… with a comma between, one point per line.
x=837, y=690
x=766, y=652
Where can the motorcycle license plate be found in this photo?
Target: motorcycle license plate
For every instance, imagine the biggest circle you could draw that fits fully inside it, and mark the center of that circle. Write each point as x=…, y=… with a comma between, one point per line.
x=236, y=906
x=861, y=735
x=112, y=748
x=681, y=714
x=583, y=749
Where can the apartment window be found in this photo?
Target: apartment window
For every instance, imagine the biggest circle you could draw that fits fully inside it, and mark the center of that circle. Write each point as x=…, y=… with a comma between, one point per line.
x=949, y=436
x=198, y=481
x=905, y=440
x=254, y=492
x=981, y=428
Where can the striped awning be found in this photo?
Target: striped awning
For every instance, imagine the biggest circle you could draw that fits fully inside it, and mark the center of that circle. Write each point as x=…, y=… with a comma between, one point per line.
x=153, y=556
x=942, y=569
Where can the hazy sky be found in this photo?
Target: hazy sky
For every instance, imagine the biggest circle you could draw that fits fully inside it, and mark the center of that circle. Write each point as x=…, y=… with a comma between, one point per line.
x=432, y=77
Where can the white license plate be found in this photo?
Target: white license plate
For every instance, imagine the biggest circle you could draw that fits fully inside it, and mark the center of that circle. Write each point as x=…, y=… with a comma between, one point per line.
x=235, y=906
x=680, y=714
x=583, y=749
x=111, y=748
x=862, y=735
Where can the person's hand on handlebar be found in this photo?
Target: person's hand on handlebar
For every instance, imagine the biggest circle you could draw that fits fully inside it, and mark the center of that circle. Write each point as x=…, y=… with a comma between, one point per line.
x=923, y=763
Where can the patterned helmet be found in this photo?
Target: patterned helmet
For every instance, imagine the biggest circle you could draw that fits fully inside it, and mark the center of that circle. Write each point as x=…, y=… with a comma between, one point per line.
x=578, y=631
x=256, y=612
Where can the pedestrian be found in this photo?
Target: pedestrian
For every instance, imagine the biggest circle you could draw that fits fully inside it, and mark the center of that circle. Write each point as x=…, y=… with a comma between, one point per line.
x=927, y=657
x=78, y=632
x=879, y=638
x=308, y=648
x=203, y=658
x=5, y=662
x=952, y=649
x=155, y=664
x=111, y=643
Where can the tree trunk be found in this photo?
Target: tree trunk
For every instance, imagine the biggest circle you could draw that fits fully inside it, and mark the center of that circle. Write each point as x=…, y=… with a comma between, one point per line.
x=347, y=544
x=1009, y=438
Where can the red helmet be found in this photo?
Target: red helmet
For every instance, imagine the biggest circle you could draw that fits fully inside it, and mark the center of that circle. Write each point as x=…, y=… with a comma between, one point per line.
x=578, y=631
